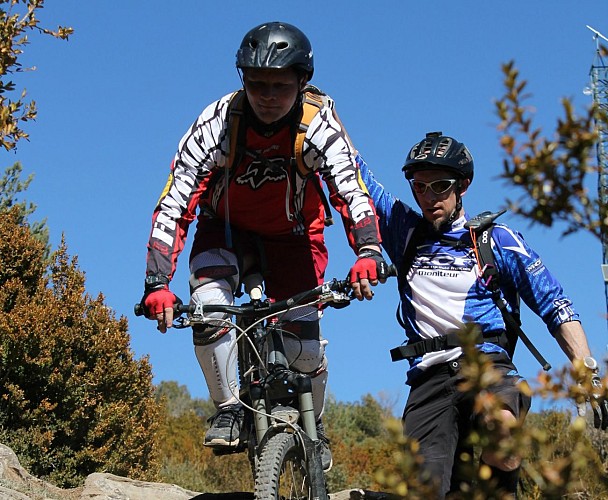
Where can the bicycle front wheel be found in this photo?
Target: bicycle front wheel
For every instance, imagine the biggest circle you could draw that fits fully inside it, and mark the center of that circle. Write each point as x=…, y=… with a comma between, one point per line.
x=282, y=472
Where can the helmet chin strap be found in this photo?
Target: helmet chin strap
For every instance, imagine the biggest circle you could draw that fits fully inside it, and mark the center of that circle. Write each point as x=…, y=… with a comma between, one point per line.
x=458, y=207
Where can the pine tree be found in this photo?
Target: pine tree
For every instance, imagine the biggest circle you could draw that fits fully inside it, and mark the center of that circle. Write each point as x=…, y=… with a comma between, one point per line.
x=11, y=187
x=73, y=400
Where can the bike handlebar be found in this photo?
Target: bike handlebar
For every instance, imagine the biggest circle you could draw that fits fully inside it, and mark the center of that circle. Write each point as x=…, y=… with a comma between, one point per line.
x=262, y=308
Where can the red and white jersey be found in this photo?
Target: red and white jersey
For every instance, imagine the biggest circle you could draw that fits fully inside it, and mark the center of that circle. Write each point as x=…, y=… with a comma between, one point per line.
x=266, y=193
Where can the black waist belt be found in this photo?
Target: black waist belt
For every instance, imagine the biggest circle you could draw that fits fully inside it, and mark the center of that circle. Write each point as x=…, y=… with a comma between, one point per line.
x=440, y=343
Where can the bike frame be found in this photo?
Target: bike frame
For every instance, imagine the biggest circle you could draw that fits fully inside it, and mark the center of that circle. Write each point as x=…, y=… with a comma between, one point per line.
x=266, y=381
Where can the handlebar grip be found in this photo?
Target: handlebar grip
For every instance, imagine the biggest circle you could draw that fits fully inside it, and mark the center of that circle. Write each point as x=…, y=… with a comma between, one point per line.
x=138, y=309
x=392, y=270
x=183, y=308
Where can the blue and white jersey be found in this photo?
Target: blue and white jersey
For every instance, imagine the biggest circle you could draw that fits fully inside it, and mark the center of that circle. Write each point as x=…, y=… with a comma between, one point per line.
x=443, y=291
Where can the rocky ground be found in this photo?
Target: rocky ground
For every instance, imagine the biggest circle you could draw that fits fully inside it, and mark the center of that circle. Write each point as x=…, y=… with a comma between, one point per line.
x=17, y=484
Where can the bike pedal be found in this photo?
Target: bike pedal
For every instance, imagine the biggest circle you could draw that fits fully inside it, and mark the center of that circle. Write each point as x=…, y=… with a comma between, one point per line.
x=228, y=450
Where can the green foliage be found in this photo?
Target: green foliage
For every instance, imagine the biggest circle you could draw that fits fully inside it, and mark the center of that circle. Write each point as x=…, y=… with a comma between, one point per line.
x=560, y=475
x=17, y=18
x=356, y=421
x=559, y=460
x=359, y=442
x=185, y=461
x=552, y=172
x=177, y=400
x=72, y=399
x=11, y=186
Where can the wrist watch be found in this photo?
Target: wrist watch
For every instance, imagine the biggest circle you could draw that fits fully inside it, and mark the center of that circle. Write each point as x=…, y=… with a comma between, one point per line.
x=590, y=363
x=155, y=281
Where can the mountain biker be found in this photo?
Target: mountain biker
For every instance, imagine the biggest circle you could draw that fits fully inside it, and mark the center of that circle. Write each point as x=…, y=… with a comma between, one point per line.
x=442, y=291
x=260, y=216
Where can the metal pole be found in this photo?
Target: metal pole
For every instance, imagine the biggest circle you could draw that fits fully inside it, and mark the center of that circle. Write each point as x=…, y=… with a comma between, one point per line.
x=599, y=91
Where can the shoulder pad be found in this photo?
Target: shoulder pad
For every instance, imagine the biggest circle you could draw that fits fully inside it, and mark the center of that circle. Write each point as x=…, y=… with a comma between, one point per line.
x=317, y=96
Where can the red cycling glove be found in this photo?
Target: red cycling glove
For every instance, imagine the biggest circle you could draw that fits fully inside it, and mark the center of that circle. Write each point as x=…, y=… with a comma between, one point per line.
x=156, y=301
x=370, y=265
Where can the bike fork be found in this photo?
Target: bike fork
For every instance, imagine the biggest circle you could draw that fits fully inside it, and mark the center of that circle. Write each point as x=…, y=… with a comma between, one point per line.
x=312, y=445
x=307, y=411
x=316, y=476
x=260, y=415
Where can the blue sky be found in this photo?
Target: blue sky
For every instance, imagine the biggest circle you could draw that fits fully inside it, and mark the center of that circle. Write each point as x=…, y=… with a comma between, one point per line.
x=116, y=98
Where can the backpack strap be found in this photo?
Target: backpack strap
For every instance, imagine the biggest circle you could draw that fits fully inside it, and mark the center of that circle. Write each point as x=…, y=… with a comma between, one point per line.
x=481, y=233
x=417, y=237
x=490, y=277
x=313, y=100
x=235, y=139
x=480, y=228
x=233, y=133
x=419, y=234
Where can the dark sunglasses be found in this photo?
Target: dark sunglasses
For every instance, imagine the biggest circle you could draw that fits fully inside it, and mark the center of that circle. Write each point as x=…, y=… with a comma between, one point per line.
x=439, y=186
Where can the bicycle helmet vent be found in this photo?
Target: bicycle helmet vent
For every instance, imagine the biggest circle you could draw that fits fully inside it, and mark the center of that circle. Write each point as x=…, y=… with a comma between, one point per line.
x=437, y=151
x=276, y=45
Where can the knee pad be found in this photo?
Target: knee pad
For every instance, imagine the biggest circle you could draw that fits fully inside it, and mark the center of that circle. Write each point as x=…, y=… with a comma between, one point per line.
x=305, y=351
x=216, y=324
x=214, y=265
x=319, y=385
x=308, y=357
x=305, y=355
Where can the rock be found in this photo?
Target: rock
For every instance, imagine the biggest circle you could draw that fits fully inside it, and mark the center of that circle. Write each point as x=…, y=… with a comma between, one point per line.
x=100, y=486
x=17, y=484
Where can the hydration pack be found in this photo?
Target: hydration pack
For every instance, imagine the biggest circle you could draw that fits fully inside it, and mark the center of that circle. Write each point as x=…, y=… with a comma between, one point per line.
x=313, y=100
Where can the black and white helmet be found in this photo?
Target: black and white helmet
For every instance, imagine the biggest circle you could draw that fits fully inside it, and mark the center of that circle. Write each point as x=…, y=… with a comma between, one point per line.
x=437, y=151
x=276, y=45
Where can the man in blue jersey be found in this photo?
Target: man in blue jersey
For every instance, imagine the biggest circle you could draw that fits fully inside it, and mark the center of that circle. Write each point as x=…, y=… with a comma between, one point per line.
x=441, y=291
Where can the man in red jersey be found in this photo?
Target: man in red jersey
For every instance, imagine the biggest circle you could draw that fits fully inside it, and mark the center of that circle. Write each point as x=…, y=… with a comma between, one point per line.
x=260, y=211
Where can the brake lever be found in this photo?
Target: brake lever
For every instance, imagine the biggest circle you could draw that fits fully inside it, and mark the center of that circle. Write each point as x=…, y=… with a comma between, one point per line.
x=181, y=322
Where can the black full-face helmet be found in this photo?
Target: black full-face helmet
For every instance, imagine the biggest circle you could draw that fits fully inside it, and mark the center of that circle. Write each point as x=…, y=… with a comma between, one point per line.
x=437, y=151
x=276, y=45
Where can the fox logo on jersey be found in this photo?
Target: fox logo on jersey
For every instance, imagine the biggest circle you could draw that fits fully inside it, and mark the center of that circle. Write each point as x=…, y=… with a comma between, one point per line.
x=258, y=172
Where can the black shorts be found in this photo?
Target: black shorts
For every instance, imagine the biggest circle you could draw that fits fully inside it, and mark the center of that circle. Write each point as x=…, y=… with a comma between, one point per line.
x=440, y=417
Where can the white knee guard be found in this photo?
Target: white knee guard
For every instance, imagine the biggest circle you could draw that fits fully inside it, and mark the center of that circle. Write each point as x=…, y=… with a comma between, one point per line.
x=214, y=343
x=319, y=384
x=308, y=356
x=213, y=277
x=213, y=265
x=216, y=324
x=219, y=362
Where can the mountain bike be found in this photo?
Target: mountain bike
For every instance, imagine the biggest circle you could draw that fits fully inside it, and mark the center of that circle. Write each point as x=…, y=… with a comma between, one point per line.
x=279, y=430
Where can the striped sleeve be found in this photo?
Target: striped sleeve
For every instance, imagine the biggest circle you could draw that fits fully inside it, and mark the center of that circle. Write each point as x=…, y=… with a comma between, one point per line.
x=328, y=150
x=200, y=150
